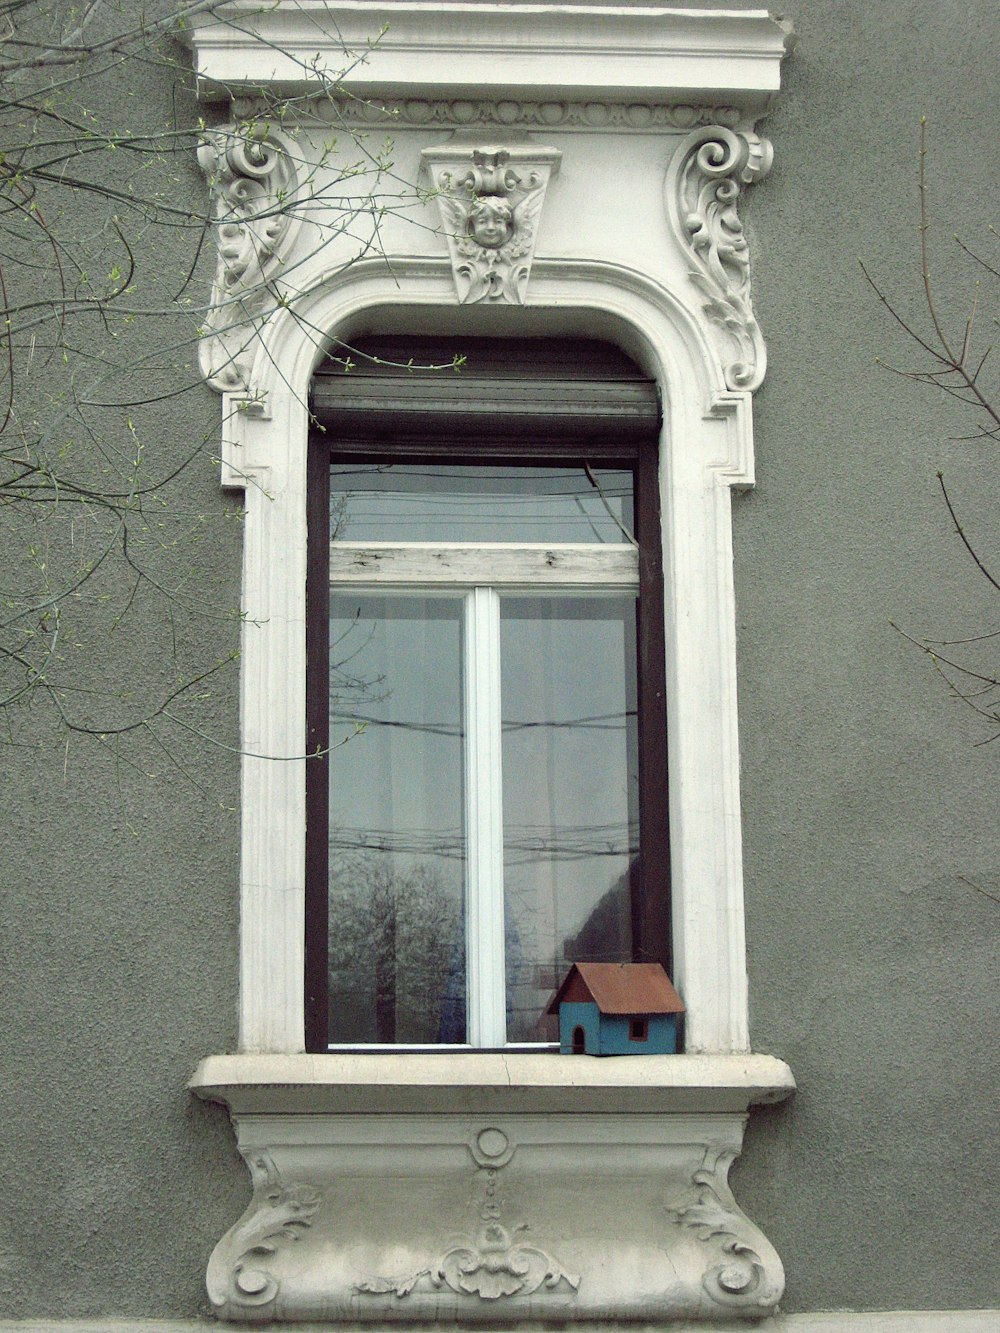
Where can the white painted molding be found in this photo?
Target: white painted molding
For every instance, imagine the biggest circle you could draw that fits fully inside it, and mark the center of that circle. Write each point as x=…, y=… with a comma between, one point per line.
x=846, y=1321
x=387, y=112
x=396, y=1142
x=706, y=449
x=422, y=48
x=478, y=1082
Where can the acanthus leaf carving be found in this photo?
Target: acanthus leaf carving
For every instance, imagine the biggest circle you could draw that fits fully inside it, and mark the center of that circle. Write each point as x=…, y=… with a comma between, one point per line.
x=239, y=1273
x=708, y=173
x=252, y=178
x=490, y=200
x=749, y=1272
x=496, y=1264
x=491, y=1265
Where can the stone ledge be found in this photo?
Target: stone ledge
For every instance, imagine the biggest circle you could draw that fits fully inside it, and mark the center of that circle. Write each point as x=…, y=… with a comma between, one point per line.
x=549, y=50
x=491, y=1189
x=463, y=1082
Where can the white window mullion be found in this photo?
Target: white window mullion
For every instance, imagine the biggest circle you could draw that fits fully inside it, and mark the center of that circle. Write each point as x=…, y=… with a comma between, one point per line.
x=487, y=1007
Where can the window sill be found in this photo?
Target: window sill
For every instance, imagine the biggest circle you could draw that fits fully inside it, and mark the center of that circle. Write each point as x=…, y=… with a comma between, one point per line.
x=492, y=1189
x=515, y=1082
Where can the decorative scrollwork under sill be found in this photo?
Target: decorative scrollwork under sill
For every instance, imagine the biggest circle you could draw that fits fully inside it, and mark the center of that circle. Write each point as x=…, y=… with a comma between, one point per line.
x=239, y=1273
x=749, y=1273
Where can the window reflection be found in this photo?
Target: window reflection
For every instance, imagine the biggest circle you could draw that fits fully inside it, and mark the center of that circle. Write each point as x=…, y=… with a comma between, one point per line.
x=570, y=793
x=397, y=962
x=425, y=502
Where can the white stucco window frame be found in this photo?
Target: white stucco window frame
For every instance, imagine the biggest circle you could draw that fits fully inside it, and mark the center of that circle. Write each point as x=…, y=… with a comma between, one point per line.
x=265, y=452
x=594, y=57
x=504, y=76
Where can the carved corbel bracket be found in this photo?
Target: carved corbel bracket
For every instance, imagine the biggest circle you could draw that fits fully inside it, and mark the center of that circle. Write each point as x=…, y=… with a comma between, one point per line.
x=252, y=178
x=748, y=1275
x=240, y=1274
x=490, y=200
x=437, y=1218
x=707, y=175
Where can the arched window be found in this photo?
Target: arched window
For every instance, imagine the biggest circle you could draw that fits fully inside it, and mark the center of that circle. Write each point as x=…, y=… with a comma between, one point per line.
x=485, y=647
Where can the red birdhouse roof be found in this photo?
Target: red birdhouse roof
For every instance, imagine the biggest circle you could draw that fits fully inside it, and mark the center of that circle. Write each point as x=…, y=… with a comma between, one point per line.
x=619, y=988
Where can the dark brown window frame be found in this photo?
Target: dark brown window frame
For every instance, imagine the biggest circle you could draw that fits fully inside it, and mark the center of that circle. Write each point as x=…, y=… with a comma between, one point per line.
x=384, y=415
x=638, y=1029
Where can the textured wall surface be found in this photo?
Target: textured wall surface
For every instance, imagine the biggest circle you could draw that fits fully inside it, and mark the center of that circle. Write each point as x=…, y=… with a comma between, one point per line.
x=119, y=858
x=870, y=813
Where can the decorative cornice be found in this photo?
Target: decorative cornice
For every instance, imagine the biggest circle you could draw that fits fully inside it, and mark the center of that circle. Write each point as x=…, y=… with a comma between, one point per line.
x=252, y=179
x=439, y=48
x=707, y=175
x=490, y=199
x=592, y=116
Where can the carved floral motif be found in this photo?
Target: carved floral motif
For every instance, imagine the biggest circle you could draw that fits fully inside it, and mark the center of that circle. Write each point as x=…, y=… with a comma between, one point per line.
x=749, y=1273
x=238, y=1271
x=493, y=1264
x=489, y=212
x=252, y=179
x=709, y=172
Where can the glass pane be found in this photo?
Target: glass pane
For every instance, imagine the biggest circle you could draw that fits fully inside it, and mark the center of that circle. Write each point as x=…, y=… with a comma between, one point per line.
x=397, y=847
x=570, y=793
x=426, y=502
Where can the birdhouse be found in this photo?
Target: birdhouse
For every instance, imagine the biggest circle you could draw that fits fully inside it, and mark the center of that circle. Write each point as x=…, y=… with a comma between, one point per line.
x=617, y=1009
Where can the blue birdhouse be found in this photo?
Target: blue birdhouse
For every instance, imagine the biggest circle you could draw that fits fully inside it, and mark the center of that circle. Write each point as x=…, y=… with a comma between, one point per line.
x=617, y=1009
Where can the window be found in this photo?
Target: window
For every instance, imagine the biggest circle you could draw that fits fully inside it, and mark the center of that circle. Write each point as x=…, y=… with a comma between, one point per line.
x=488, y=803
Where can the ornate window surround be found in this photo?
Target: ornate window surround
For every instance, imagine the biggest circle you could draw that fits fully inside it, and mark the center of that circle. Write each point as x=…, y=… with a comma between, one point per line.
x=682, y=88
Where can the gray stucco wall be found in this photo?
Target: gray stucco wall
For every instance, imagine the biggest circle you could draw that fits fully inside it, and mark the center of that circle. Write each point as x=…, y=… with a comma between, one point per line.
x=869, y=811
x=119, y=860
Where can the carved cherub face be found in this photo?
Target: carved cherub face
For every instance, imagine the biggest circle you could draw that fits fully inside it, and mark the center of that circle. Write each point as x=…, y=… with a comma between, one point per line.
x=491, y=222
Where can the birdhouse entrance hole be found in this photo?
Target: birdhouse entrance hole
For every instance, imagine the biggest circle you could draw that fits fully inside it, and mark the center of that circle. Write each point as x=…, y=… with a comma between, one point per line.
x=579, y=1042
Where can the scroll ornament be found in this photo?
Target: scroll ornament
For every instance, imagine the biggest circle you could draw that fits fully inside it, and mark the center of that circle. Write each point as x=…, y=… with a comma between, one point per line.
x=490, y=200
x=239, y=1272
x=749, y=1274
x=709, y=172
x=252, y=179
